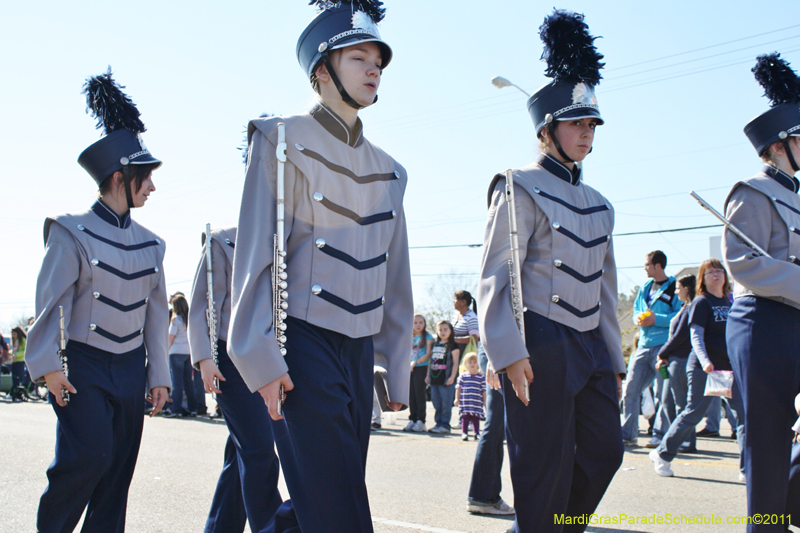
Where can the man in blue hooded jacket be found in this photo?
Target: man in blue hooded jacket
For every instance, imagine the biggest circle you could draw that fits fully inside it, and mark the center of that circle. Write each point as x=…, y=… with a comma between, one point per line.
x=655, y=305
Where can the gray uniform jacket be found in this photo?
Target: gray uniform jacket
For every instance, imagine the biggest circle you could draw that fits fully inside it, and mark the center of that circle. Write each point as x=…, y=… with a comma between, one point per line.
x=111, y=284
x=767, y=209
x=347, y=249
x=567, y=261
x=222, y=244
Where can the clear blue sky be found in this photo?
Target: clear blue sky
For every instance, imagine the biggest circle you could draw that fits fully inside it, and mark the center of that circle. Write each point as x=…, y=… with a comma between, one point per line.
x=676, y=95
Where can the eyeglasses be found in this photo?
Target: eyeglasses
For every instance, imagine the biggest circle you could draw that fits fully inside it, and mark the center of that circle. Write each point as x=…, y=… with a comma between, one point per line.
x=713, y=272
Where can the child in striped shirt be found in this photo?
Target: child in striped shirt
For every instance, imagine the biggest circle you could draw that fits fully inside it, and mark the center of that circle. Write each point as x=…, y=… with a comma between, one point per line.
x=471, y=396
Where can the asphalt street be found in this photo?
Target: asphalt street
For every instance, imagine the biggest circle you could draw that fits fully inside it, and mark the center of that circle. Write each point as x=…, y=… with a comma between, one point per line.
x=417, y=482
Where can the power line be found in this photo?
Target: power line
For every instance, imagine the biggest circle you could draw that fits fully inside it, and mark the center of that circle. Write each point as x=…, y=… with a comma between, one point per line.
x=702, y=58
x=704, y=48
x=672, y=230
x=463, y=274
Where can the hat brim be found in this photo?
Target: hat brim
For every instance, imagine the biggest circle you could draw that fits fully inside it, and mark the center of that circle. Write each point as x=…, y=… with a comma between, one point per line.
x=579, y=113
x=386, y=50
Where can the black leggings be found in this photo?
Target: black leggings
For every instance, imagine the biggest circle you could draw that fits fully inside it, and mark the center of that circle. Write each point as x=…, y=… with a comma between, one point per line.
x=417, y=398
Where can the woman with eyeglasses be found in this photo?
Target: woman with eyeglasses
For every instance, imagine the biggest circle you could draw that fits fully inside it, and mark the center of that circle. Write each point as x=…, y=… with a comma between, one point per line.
x=707, y=321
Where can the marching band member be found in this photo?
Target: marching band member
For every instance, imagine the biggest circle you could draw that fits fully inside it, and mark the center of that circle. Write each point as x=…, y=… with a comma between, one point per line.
x=349, y=285
x=763, y=330
x=104, y=270
x=564, y=441
x=247, y=489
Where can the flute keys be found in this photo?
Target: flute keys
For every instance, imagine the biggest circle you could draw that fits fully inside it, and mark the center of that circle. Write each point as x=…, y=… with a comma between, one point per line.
x=283, y=315
x=282, y=326
x=282, y=339
x=283, y=352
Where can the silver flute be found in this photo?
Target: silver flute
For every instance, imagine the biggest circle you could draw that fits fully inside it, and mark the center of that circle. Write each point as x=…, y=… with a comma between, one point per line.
x=211, y=310
x=279, y=276
x=736, y=231
x=514, y=266
x=62, y=353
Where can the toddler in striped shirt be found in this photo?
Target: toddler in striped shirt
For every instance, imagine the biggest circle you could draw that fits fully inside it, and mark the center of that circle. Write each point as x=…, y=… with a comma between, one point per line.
x=471, y=396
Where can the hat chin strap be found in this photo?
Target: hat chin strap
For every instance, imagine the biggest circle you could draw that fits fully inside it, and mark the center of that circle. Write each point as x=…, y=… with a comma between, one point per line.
x=788, y=151
x=552, y=129
x=326, y=60
x=126, y=179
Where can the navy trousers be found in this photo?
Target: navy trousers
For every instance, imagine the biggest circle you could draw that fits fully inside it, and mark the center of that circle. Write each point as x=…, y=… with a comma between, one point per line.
x=793, y=496
x=248, y=484
x=566, y=445
x=763, y=338
x=486, y=481
x=327, y=416
x=97, y=442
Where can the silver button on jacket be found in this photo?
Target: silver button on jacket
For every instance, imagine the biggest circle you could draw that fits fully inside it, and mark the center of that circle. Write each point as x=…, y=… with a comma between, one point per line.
x=110, y=282
x=350, y=199
x=567, y=263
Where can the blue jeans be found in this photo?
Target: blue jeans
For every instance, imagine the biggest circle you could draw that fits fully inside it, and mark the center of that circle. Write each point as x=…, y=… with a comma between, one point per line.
x=679, y=390
x=697, y=405
x=486, y=482
x=641, y=371
x=714, y=414
x=181, y=368
x=442, y=397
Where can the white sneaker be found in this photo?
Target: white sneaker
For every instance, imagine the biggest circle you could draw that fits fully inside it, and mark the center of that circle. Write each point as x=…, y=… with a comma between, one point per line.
x=742, y=477
x=660, y=465
x=419, y=427
x=409, y=426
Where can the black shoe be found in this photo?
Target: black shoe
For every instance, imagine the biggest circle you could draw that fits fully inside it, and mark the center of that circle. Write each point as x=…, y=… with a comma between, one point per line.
x=174, y=415
x=687, y=449
x=733, y=436
x=707, y=433
x=376, y=425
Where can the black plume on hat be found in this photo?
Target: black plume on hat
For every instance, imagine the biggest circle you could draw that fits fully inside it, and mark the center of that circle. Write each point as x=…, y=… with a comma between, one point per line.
x=781, y=84
x=112, y=108
x=373, y=8
x=569, y=49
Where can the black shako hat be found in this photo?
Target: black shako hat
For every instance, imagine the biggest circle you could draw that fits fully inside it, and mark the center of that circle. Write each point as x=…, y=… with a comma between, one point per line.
x=337, y=25
x=122, y=144
x=782, y=86
x=574, y=64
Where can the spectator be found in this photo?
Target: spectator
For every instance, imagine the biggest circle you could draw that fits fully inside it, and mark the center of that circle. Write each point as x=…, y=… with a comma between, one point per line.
x=4, y=351
x=465, y=324
x=653, y=309
x=18, y=374
x=422, y=344
x=442, y=372
x=471, y=396
x=675, y=353
x=707, y=321
x=484, y=489
x=179, y=360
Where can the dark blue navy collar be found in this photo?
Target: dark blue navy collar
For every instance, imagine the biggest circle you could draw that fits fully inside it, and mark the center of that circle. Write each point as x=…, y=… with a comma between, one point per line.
x=337, y=127
x=106, y=213
x=559, y=170
x=790, y=182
